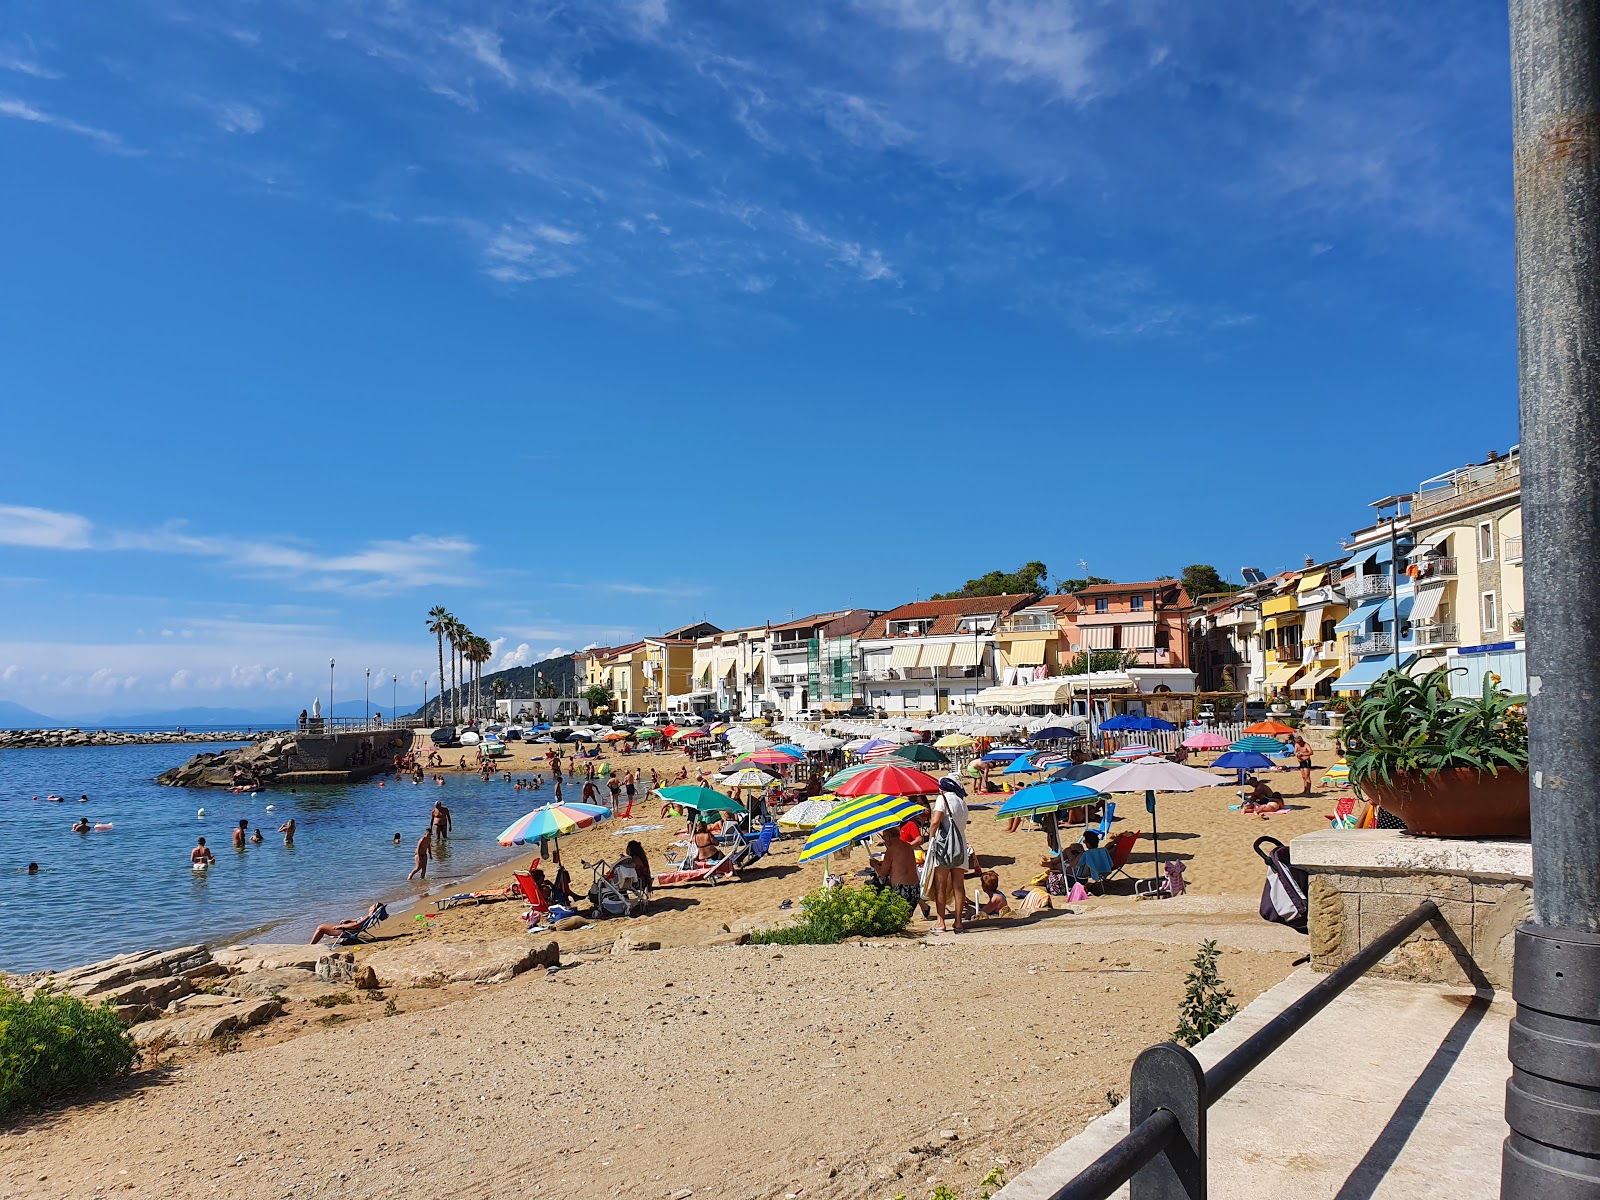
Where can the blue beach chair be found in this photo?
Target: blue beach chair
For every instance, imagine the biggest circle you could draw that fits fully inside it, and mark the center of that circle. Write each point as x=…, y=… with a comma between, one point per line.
x=362, y=932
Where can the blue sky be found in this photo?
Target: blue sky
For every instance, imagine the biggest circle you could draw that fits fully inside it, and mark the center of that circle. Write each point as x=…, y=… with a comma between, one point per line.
x=587, y=319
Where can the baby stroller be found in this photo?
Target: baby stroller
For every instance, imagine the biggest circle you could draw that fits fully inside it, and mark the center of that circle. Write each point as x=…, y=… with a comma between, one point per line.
x=617, y=890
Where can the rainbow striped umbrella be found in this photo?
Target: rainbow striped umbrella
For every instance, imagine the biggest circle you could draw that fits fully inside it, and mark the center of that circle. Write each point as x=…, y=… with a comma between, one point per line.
x=1338, y=775
x=851, y=822
x=771, y=756
x=551, y=821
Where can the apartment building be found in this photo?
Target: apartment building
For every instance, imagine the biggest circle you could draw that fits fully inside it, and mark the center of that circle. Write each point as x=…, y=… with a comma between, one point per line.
x=934, y=654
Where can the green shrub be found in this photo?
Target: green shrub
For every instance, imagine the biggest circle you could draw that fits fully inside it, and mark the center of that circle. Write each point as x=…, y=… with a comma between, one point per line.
x=830, y=915
x=51, y=1045
x=1207, y=1001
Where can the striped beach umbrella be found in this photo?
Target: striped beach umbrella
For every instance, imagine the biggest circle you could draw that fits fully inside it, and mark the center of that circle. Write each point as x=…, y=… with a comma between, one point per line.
x=1259, y=743
x=747, y=777
x=551, y=821
x=769, y=757
x=862, y=818
x=1338, y=775
x=1128, y=753
x=839, y=777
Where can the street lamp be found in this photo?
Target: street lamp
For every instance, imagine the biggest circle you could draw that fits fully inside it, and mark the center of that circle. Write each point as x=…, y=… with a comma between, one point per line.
x=394, y=699
x=369, y=696
x=424, y=697
x=330, y=693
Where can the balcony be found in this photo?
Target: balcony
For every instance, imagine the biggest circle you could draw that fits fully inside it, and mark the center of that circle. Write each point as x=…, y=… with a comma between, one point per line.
x=1516, y=622
x=1468, y=488
x=1029, y=625
x=1287, y=653
x=1443, y=634
x=1372, y=643
x=1434, y=568
x=1365, y=587
x=1514, y=550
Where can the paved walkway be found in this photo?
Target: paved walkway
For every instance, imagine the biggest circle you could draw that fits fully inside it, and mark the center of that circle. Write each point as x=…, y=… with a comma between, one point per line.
x=1393, y=1092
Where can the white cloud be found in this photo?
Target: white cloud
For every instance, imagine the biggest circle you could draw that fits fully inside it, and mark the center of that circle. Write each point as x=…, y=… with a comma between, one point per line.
x=483, y=47
x=24, y=65
x=42, y=528
x=1023, y=39
x=240, y=118
x=520, y=657
x=22, y=111
x=179, y=681
x=868, y=263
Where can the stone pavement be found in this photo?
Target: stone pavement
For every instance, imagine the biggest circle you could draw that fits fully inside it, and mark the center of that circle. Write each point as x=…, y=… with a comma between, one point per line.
x=1393, y=1092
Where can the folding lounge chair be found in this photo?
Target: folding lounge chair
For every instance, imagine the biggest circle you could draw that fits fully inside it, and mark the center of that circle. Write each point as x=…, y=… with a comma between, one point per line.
x=1105, y=822
x=362, y=932
x=1094, y=866
x=530, y=892
x=756, y=848
x=713, y=872
x=1121, y=849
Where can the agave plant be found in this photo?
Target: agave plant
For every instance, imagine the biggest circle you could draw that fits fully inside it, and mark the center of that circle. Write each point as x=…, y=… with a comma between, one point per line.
x=1406, y=724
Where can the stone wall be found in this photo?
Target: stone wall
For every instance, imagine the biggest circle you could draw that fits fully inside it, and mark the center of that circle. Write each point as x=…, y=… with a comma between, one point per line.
x=1364, y=880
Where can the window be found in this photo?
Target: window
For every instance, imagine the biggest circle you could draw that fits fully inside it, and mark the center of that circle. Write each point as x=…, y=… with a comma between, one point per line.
x=984, y=624
x=1163, y=639
x=1491, y=615
x=913, y=628
x=1327, y=631
x=1269, y=640
x=1101, y=604
x=1486, y=545
x=1136, y=604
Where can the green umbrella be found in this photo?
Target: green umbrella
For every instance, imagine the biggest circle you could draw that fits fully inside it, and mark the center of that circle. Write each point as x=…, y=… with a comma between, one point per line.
x=647, y=733
x=701, y=799
x=848, y=773
x=919, y=753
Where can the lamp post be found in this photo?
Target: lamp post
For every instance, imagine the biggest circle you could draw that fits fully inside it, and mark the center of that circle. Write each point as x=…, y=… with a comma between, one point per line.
x=1088, y=658
x=394, y=699
x=424, y=697
x=369, y=696
x=1553, y=1098
x=330, y=693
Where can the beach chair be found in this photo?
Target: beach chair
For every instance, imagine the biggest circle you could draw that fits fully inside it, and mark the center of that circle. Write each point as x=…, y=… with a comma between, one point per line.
x=1105, y=821
x=713, y=873
x=755, y=849
x=1344, y=813
x=1093, y=866
x=362, y=932
x=1170, y=884
x=530, y=892
x=1121, y=849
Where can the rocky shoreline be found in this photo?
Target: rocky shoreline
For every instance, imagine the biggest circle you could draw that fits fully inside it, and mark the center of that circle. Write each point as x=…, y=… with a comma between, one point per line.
x=29, y=739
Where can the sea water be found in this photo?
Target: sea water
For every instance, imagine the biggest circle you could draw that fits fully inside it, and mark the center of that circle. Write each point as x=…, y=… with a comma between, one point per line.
x=132, y=888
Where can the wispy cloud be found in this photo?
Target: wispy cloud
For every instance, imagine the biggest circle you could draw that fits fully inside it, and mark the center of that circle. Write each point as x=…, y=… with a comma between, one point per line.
x=239, y=118
x=25, y=64
x=20, y=110
x=43, y=528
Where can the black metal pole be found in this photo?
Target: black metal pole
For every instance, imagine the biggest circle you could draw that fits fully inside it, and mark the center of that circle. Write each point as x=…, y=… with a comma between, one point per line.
x=1553, y=1098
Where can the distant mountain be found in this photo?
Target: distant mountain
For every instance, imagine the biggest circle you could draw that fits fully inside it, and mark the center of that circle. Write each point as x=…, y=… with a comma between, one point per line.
x=559, y=673
x=14, y=716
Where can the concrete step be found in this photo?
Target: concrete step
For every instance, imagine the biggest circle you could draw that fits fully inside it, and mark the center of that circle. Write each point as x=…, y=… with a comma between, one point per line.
x=1394, y=1091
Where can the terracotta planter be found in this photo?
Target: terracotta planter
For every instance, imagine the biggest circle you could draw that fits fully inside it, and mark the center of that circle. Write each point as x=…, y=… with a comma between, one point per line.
x=1457, y=802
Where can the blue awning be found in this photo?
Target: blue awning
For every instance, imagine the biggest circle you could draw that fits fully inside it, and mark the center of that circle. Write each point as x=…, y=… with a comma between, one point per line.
x=1360, y=560
x=1385, y=612
x=1357, y=620
x=1365, y=672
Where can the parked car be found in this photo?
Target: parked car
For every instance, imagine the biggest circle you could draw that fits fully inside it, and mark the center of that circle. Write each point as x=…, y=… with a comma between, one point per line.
x=1207, y=712
x=860, y=711
x=445, y=737
x=809, y=714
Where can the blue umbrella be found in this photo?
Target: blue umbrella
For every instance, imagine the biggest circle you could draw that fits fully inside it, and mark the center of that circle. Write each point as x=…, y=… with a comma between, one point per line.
x=1053, y=733
x=1243, y=760
x=1077, y=773
x=1120, y=722
x=1004, y=756
x=1022, y=763
x=1046, y=797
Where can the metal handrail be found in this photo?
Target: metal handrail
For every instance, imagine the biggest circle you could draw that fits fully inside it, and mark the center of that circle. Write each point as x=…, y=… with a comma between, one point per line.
x=1146, y=1158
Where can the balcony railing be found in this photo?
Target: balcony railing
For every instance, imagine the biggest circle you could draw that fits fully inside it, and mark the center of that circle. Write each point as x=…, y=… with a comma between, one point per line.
x=1289, y=652
x=1362, y=586
x=1434, y=568
x=1443, y=634
x=1029, y=625
x=1372, y=643
x=1469, y=488
x=1513, y=549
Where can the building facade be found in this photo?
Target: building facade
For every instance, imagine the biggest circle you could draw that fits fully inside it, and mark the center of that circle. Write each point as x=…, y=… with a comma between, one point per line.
x=933, y=655
x=1148, y=622
x=813, y=662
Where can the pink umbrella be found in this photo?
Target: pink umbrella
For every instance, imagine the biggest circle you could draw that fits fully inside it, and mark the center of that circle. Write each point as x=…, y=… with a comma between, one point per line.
x=1206, y=741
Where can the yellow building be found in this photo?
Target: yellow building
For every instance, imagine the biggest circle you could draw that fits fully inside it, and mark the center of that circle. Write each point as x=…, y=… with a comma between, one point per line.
x=667, y=670
x=1321, y=607
x=1281, y=628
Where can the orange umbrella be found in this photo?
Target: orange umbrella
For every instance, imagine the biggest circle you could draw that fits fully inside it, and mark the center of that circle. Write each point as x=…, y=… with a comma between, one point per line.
x=1270, y=728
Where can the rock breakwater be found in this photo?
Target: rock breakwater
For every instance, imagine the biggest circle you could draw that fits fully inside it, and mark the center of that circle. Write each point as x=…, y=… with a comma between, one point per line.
x=28, y=739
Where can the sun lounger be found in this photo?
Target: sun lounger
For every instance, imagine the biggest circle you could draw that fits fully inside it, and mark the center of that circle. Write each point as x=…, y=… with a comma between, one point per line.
x=363, y=931
x=1094, y=865
x=538, y=905
x=714, y=872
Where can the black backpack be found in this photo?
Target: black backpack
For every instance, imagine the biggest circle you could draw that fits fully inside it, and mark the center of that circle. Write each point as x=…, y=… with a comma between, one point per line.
x=1283, y=897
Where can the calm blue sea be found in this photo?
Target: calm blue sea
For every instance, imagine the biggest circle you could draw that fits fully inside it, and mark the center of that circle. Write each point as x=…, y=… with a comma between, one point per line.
x=99, y=894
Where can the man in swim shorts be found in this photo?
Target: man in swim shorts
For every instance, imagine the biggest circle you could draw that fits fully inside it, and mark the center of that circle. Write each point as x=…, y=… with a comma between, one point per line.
x=201, y=855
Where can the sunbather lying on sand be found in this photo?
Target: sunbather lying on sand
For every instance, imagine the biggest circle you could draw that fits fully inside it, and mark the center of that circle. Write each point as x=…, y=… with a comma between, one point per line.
x=1262, y=799
x=341, y=927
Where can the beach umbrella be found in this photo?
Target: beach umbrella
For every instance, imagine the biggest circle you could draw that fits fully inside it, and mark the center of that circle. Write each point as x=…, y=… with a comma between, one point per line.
x=1008, y=754
x=647, y=732
x=766, y=757
x=1020, y=765
x=1052, y=733
x=954, y=741
x=747, y=777
x=1152, y=775
x=791, y=750
x=1258, y=743
x=1119, y=722
x=857, y=743
x=920, y=753
x=1133, y=750
x=876, y=744
x=614, y=736
x=551, y=821
x=1078, y=773
x=1275, y=728
x=1242, y=760
x=848, y=773
x=898, y=736
x=700, y=798
x=869, y=814
x=1046, y=797
x=889, y=781
x=1338, y=775
x=1206, y=741
x=881, y=753
x=808, y=814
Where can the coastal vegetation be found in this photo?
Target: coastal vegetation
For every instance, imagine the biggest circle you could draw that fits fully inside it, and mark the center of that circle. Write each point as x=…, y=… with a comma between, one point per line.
x=829, y=915
x=52, y=1045
x=1199, y=579
x=1207, y=1001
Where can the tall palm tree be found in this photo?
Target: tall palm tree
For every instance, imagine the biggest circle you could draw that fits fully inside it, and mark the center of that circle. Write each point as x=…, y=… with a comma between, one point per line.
x=453, y=634
x=439, y=620
x=478, y=652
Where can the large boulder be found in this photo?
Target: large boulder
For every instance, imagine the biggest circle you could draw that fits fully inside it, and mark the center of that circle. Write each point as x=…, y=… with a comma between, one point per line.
x=269, y=956
x=430, y=963
x=206, y=1023
x=269, y=981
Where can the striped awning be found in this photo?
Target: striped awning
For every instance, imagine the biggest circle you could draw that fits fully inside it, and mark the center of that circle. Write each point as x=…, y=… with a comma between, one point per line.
x=1313, y=625
x=1026, y=654
x=1099, y=637
x=1308, y=682
x=935, y=654
x=1280, y=676
x=1139, y=637
x=966, y=654
x=905, y=655
x=1426, y=602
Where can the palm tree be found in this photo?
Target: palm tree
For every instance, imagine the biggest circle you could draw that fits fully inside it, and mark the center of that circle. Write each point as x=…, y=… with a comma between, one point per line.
x=481, y=652
x=439, y=621
x=455, y=631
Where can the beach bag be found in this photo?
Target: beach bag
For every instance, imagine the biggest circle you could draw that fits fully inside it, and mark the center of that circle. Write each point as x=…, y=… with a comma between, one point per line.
x=947, y=847
x=1283, y=897
x=1078, y=895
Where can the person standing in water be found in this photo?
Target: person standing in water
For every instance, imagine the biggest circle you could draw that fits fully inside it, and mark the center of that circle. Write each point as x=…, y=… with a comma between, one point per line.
x=238, y=834
x=424, y=852
x=440, y=821
x=201, y=855
x=287, y=829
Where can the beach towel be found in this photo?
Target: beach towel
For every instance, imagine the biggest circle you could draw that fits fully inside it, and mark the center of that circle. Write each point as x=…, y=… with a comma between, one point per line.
x=1078, y=894
x=1036, y=899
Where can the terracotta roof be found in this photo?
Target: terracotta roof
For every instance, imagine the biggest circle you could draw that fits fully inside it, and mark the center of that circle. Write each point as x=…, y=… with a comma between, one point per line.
x=1118, y=589
x=946, y=614
x=824, y=618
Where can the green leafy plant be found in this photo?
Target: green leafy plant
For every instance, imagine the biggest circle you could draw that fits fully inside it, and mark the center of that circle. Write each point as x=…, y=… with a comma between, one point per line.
x=52, y=1045
x=996, y=1178
x=331, y=1000
x=1407, y=724
x=830, y=915
x=1207, y=1001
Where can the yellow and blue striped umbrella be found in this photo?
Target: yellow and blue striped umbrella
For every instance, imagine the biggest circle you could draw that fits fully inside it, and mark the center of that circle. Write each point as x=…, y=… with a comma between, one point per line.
x=858, y=819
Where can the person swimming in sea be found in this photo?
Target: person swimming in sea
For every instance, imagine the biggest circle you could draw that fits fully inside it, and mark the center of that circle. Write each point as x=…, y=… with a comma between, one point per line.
x=397, y=839
x=81, y=825
x=33, y=868
x=255, y=838
x=287, y=829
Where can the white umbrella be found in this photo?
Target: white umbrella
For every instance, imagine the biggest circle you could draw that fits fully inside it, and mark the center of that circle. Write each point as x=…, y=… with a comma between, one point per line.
x=1151, y=775
x=807, y=814
x=856, y=743
x=898, y=736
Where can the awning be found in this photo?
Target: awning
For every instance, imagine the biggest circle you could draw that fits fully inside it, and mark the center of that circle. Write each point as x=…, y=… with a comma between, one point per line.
x=1280, y=676
x=1426, y=602
x=1362, y=559
x=936, y=655
x=1053, y=693
x=726, y=670
x=1313, y=633
x=966, y=654
x=703, y=672
x=1365, y=673
x=1098, y=637
x=1279, y=620
x=1309, y=681
x=1357, y=620
x=1385, y=610
x=1026, y=654
x=1312, y=579
x=757, y=663
x=905, y=655
x=1139, y=637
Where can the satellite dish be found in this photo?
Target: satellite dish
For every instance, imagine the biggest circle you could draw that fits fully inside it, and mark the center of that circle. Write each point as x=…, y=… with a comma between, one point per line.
x=1253, y=575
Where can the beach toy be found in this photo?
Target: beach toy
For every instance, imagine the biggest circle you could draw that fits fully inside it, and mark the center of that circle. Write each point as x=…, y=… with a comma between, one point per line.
x=103, y=825
x=199, y=866
x=270, y=807
x=201, y=813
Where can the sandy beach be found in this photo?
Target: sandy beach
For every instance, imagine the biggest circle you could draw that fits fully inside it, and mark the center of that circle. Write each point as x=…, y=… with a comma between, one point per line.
x=866, y=1069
